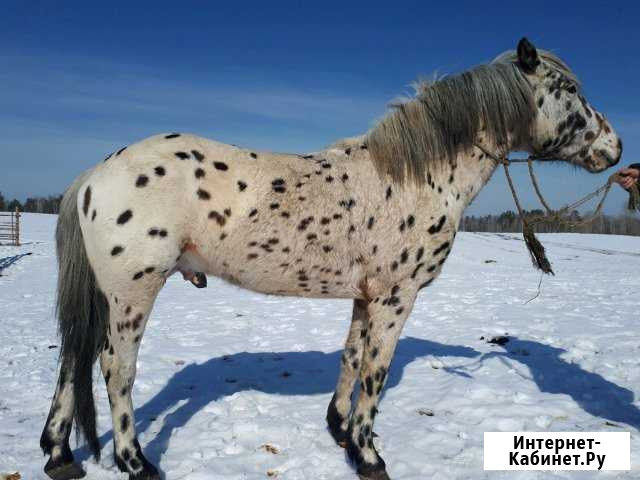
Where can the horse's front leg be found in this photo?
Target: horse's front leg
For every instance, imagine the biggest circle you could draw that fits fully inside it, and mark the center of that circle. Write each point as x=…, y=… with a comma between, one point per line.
x=387, y=314
x=340, y=406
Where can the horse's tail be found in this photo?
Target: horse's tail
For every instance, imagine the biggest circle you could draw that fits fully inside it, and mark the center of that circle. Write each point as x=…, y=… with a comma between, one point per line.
x=83, y=314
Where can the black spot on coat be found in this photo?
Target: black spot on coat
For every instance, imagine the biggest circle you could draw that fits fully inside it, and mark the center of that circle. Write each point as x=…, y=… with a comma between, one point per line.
x=369, y=385
x=436, y=227
x=278, y=185
x=441, y=248
x=142, y=181
x=124, y=217
x=220, y=220
x=124, y=422
x=87, y=201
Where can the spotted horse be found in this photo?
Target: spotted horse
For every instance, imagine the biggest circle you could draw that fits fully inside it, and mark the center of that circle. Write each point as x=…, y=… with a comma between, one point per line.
x=371, y=218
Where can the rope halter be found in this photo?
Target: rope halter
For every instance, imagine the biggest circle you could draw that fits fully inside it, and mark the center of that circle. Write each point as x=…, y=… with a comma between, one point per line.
x=561, y=216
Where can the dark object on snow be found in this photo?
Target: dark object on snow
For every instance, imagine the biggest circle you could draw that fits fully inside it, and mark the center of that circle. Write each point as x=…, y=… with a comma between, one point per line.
x=499, y=340
x=199, y=280
x=427, y=412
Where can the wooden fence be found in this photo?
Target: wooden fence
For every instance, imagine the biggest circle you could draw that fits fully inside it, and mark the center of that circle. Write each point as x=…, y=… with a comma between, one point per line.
x=10, y=228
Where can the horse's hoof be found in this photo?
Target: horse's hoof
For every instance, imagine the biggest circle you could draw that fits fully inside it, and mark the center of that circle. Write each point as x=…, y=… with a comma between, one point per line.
x=373, y=472
x=145, y=476
x=65, y=471
x=379, y=475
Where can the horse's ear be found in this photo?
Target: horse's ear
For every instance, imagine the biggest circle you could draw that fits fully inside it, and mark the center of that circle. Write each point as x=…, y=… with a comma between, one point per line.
x=527, y=56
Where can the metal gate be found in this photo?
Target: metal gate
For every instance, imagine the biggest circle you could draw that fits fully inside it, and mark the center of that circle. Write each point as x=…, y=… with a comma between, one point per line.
x=10, y=228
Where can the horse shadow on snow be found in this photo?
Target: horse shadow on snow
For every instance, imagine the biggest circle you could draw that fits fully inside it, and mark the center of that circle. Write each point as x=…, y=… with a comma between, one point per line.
x=314, y=373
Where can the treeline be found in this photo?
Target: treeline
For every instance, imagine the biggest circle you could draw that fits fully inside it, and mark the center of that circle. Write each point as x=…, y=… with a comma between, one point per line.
x=50, y=204
x=509, y=221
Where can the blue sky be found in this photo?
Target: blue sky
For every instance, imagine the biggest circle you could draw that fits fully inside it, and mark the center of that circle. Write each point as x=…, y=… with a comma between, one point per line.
x=81, y=79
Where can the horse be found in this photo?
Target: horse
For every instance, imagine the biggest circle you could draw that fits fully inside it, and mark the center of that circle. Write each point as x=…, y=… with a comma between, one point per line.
x=371, y=218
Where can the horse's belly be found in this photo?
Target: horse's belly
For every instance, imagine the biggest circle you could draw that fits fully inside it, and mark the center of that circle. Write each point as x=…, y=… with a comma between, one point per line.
x=297, y=281
x=300, y=277
x=314, y=290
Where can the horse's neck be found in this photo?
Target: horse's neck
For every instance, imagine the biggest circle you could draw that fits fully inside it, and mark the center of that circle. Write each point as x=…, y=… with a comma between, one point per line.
x=472, y=172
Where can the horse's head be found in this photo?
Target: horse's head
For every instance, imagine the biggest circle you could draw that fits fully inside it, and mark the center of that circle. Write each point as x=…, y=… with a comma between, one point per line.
x=566, y=126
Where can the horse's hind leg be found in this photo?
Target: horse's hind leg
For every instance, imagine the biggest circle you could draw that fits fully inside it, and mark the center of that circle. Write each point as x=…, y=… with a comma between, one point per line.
x=340, y=406
x=127, y=321
x=55, y=436
x=387, y=315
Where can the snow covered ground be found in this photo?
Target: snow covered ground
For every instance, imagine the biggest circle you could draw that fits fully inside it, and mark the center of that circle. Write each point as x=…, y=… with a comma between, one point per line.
x=224, y=372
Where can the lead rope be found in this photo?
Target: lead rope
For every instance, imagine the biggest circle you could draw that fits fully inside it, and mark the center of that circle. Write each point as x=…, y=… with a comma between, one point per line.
x=559, y=217
x=536, y=249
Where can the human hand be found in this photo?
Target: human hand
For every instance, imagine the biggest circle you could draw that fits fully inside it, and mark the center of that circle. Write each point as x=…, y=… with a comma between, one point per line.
x=627, y=177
